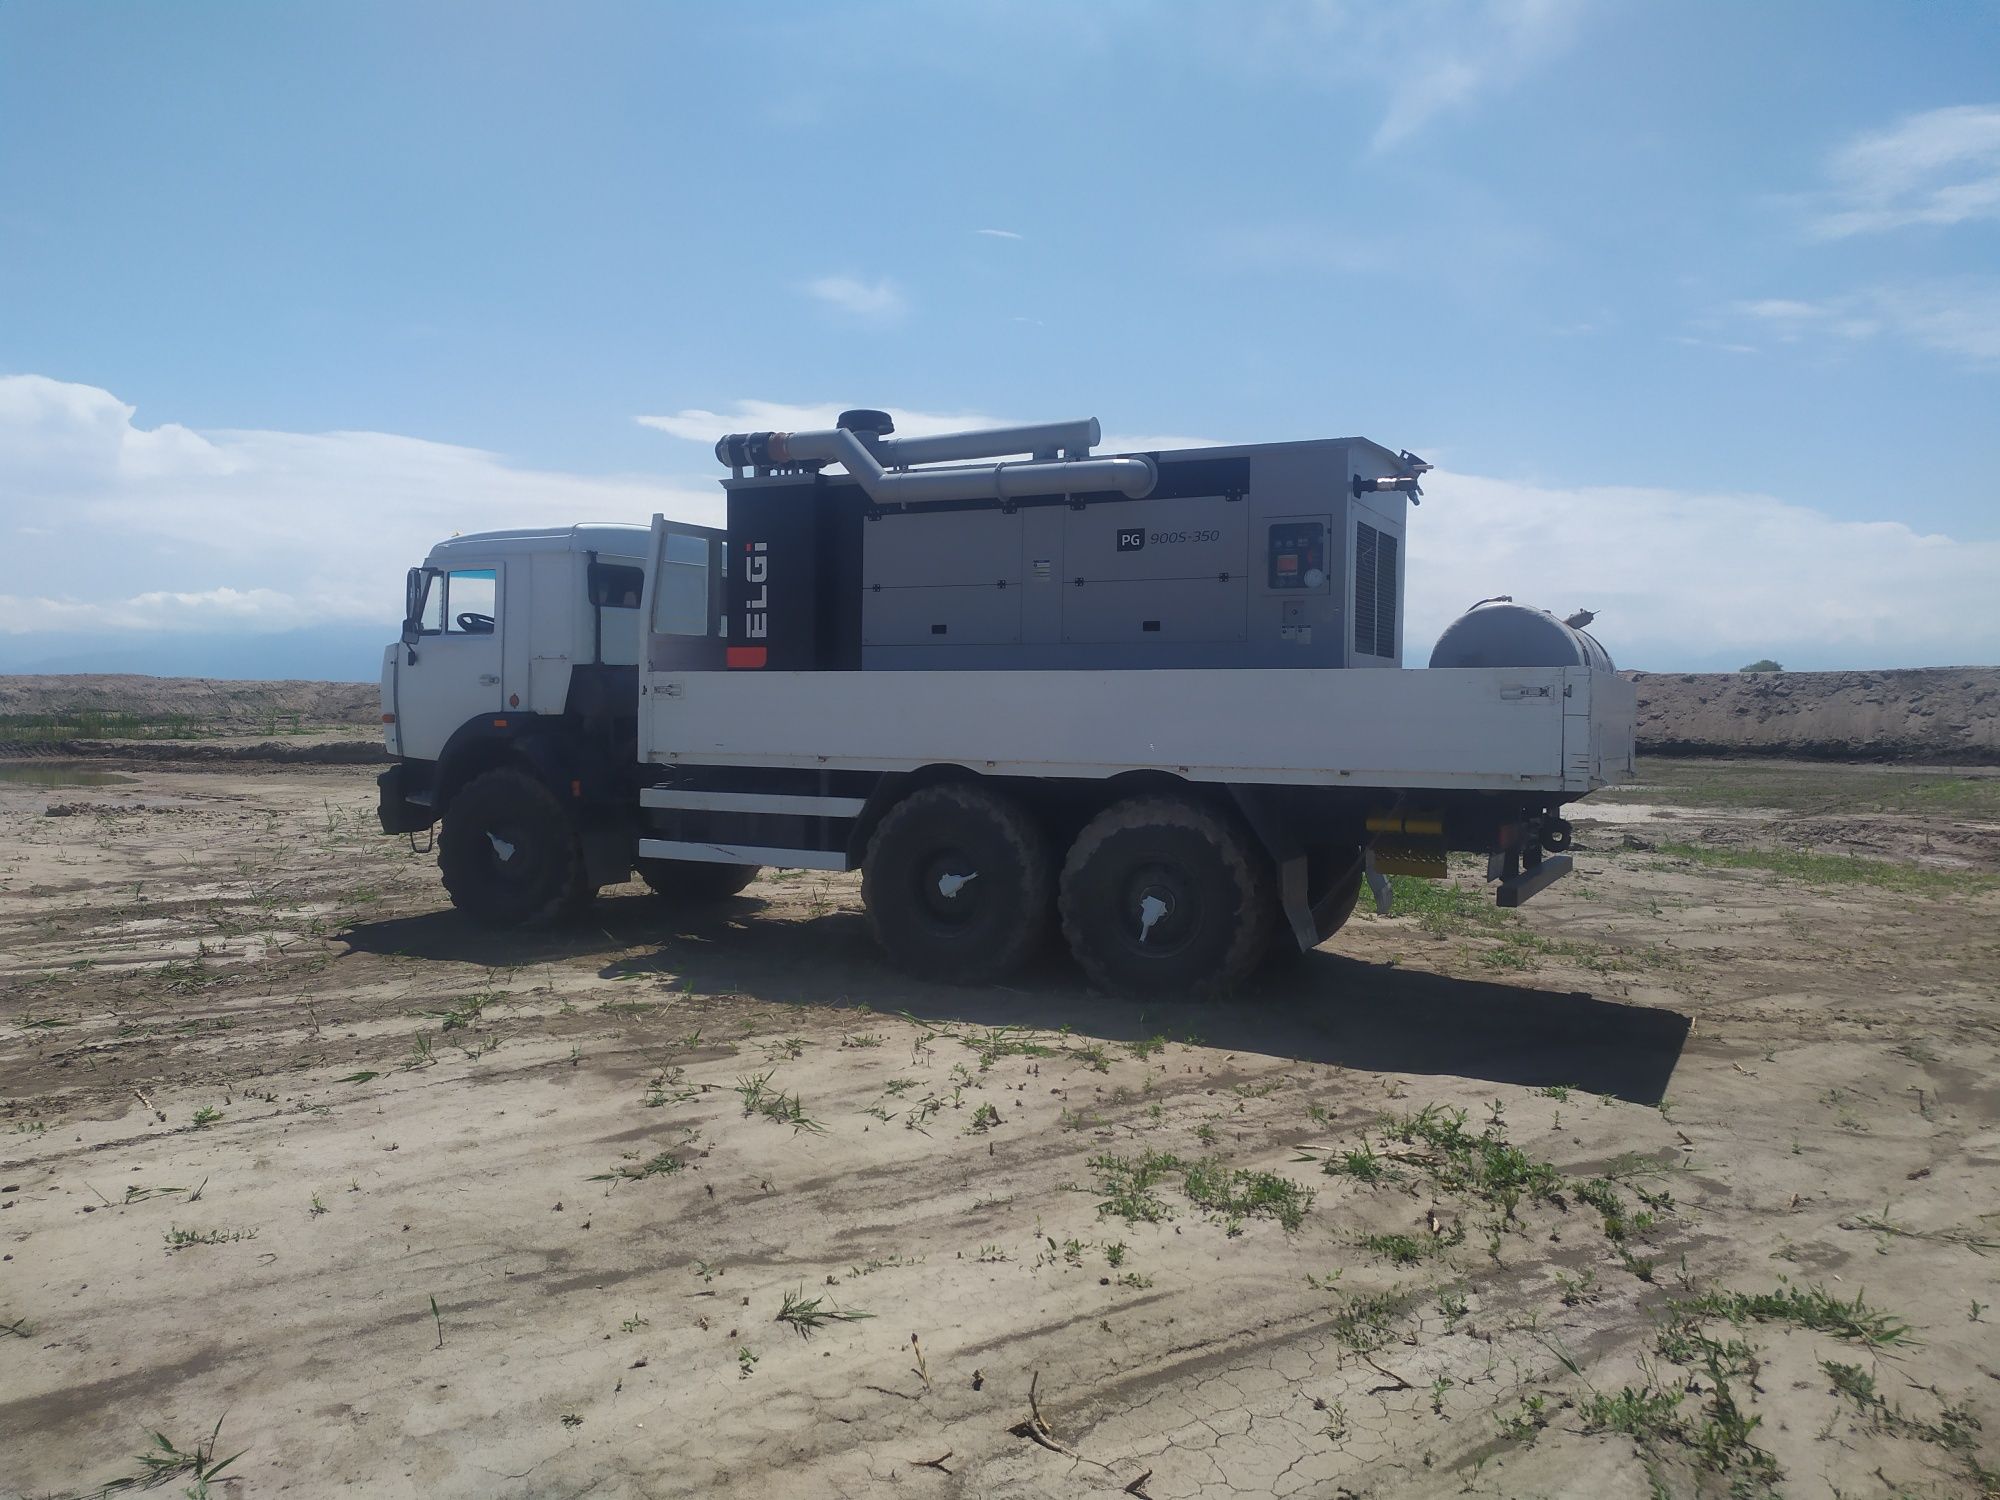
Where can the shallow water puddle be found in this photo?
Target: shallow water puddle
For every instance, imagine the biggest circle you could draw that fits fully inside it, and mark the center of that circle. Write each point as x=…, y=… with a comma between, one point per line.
x=58, y=773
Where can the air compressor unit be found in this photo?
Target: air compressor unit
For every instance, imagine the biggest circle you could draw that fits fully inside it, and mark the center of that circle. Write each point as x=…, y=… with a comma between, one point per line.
x=1258, y=555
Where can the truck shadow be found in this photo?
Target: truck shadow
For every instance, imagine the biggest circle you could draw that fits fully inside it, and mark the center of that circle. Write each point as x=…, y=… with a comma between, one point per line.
x=1324, y=1008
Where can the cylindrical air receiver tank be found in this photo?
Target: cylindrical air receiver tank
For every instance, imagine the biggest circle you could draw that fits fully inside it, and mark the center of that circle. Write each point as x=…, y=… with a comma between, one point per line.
x=1497, y=633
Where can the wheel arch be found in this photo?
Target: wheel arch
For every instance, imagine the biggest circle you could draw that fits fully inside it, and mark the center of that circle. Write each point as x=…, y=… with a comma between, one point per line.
x=894, y=787
x=478, y=746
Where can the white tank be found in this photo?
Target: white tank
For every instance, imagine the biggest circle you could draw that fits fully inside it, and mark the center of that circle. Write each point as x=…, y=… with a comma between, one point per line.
x=1500, y=633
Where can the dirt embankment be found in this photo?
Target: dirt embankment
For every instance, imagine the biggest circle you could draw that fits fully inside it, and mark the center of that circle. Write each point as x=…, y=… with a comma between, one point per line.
x=213, y=703
x=1939, y=715
x=134, y=718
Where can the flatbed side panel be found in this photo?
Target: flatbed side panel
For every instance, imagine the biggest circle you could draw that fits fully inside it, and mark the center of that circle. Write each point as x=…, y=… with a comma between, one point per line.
x=1600, y=720
x=1473, y=728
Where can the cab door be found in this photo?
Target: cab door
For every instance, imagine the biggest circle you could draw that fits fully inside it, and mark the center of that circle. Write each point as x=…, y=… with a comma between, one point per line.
x=685, y=575
x=451, y=669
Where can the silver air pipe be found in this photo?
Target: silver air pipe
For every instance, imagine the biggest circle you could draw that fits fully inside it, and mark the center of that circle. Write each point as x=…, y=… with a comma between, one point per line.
x=1131, y=477
x=1043, y=439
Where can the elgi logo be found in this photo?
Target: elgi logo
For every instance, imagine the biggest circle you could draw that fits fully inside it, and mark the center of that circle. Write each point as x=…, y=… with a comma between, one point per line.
x=1131, y=538
x=756, y=617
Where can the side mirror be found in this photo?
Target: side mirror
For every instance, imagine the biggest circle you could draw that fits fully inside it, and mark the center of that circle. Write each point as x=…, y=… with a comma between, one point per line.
x=415, y=585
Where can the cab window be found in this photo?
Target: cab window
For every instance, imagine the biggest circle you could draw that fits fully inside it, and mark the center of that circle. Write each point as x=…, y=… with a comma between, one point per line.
x=429, y=613
x=616, y=585
x=470, y=600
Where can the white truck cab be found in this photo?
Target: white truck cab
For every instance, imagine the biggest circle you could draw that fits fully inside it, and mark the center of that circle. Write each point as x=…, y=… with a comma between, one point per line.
x=499, y=622
x=511, y=705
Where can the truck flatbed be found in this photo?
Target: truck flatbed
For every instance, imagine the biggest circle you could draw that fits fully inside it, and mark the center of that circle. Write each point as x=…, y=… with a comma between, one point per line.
x=1563, y=731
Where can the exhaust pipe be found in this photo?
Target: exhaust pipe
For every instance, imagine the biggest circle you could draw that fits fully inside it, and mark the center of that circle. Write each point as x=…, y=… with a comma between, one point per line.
x=859, y=445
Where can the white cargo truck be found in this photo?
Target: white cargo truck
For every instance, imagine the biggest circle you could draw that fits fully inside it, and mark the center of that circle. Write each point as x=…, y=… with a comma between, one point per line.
x=1155, y=699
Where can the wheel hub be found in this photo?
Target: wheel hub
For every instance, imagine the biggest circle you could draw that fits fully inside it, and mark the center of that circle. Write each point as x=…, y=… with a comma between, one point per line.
x=1165, y=907
x=948, y=887
x=514, y=860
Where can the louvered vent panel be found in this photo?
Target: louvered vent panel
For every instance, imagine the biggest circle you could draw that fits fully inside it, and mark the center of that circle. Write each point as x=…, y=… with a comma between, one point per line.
x=1366, y=538
x=1385, y=595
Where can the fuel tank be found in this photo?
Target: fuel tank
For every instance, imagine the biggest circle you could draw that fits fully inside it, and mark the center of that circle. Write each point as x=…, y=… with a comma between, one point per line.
x=1501, y=633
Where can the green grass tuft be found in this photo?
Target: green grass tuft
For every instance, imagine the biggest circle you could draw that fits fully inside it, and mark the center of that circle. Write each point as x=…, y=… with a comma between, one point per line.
x=1813, y=1308
x=1835, y=869
x=1230, y=1193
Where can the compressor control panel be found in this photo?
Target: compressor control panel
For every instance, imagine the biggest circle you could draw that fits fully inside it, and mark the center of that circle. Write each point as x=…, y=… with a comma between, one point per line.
x=1296, y=558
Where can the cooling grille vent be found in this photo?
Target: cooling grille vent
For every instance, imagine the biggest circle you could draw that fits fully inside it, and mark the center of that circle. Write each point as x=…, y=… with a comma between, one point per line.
x=1374, y=592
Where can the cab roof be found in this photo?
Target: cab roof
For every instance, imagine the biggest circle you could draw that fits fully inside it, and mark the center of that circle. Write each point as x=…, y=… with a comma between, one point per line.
x=611, y=537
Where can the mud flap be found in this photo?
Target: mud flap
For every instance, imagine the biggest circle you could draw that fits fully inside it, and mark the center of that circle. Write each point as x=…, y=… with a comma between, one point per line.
x=394, y=807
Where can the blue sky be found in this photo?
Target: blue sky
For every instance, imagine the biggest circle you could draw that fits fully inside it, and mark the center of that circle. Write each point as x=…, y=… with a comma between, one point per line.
x=283, y=286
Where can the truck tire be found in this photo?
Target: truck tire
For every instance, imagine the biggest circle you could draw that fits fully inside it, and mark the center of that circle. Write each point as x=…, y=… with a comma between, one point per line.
x=957, y=883
x=1163, y=898
x=690, y=881
x=510, y=854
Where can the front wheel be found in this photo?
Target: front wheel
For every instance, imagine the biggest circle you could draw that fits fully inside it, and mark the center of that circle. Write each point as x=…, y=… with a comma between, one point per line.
x=1163, y=898
x=509, y=852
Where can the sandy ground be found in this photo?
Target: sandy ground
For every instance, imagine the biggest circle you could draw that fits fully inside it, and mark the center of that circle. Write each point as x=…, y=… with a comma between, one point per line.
x=413, y=1210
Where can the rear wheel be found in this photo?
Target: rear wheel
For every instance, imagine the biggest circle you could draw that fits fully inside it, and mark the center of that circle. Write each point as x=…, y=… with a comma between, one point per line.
x=690, y=881
x=509, y=853
x=1162, y=897
x=957, y=883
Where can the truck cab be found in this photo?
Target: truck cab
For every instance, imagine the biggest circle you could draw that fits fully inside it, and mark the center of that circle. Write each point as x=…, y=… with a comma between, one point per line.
x=520, y=652
x=531, y=624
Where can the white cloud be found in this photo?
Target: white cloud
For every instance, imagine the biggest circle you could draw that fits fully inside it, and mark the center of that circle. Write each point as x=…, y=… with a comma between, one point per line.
x=1427, y=57
x=1958, y=317
x=125, y=528
x=1940, y=167
x=1680, y=578
x=876, y=300
x=1479, y=49
x=1780, y=309
x=169, y=529
x=999, y=234
x=1722, y=344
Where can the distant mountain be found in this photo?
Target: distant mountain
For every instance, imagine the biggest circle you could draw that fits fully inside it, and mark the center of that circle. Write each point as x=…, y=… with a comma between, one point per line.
x=343, y=653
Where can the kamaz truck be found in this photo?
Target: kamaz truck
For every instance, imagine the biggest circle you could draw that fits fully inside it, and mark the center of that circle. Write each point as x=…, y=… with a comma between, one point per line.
x=1157, y=700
